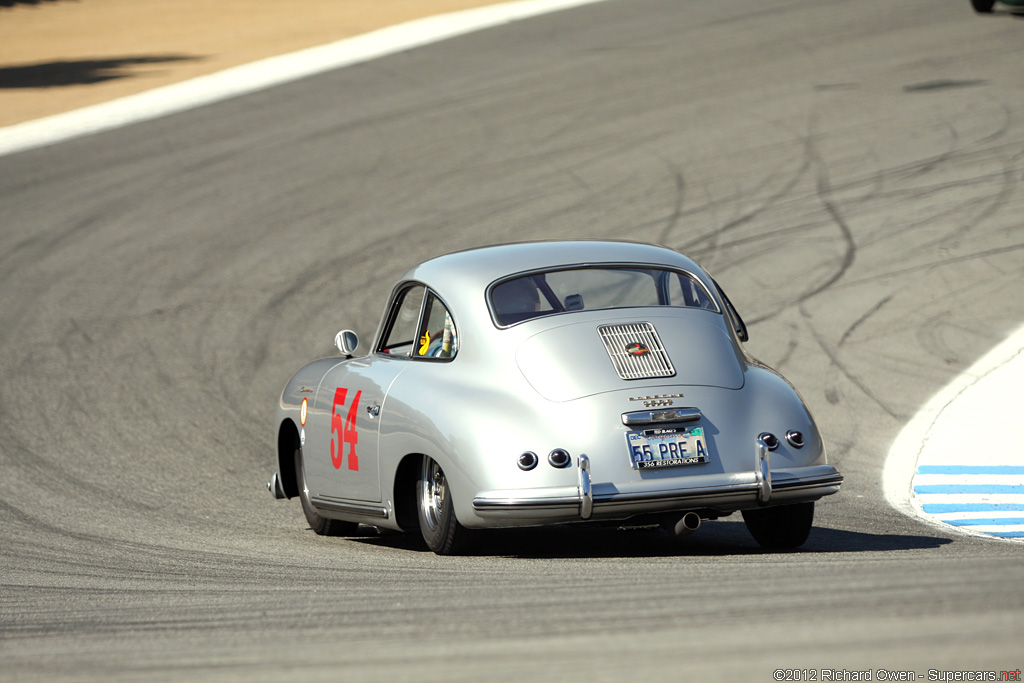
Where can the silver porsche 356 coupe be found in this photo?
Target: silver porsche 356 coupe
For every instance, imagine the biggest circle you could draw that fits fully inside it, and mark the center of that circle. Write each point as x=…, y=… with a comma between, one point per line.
x=548, y=383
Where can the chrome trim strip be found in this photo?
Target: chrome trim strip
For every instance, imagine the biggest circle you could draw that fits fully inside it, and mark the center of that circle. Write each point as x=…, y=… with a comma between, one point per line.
x=677, y=494
x=351, y=508
x=832, y=480
x=481, y=503
x=643, y=417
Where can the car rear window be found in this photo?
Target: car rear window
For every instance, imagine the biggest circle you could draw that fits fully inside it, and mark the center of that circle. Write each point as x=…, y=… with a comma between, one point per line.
x=576, y=289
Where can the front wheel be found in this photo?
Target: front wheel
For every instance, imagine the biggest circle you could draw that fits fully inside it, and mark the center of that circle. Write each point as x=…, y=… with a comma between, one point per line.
x=321, y=525
x=780, y=527
x=441, y=531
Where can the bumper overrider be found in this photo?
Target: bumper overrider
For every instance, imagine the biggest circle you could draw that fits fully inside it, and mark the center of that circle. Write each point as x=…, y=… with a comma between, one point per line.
x=726, y=493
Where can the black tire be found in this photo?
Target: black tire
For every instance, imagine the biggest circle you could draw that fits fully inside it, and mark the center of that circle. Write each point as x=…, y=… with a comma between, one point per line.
x=780, y=527
x=441, y=531
x=983, y=6
x=321, y=525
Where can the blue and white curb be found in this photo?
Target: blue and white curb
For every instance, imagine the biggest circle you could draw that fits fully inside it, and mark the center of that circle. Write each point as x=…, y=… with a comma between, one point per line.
x=959, y=463
x=987, y=499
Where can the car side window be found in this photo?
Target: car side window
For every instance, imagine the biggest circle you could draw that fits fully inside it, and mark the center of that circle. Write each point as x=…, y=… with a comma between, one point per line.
x=734, y=316
x=401, y=336
x=683, y=290
x=437, y=335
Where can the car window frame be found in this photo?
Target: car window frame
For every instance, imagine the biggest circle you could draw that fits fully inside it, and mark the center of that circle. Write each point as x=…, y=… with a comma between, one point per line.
x=560, y=310
x=394, y=307
x=738, y=326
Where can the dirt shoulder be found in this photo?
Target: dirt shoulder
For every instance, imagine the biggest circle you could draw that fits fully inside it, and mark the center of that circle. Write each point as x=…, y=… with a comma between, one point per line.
x=59, y=55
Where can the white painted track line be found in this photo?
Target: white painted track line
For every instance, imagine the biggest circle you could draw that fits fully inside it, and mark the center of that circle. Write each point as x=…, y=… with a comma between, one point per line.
x=269, y=72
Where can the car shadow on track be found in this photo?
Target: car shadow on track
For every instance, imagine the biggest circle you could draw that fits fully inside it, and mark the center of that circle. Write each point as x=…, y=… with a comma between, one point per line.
x=720, y=538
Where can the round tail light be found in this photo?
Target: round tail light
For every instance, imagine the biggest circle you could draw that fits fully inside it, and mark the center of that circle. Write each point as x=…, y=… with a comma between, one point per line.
x=527, y=461
x=559, y=458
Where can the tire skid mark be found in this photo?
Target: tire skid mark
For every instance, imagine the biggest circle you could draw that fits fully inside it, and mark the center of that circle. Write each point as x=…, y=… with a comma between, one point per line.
x=934, y=265
x=838, y=364
x=33, y=249
x=929, y=332
x=673, y=219
x=1000, y=200
x=37, y=524
x=832, y=392
x=921, y=167
x=845, y=264
x=857, y=323
x=169, y=560
x=792, y=345
x=36, y=465
x=695, y=245
x=849, y=245
x=929, y=164
x=1002, y=130
x=704, y=246
x=991, y=205
x=826, y=192
x=932, y=163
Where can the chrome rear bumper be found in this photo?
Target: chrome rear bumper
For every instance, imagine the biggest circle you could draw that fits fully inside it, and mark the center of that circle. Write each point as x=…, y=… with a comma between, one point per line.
x=609, y=501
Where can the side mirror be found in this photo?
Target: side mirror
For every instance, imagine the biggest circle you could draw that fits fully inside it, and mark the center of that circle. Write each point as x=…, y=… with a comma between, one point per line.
x=347, y=342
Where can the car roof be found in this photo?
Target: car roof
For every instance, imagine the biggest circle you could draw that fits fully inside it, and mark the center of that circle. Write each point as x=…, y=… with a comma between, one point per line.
x=474, y=269
x=461, y=278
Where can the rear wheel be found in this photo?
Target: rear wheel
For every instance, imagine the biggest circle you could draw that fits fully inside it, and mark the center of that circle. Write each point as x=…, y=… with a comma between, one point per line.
x=983, y=5
x=441, y=531
x=321, y=525
x=780, y=527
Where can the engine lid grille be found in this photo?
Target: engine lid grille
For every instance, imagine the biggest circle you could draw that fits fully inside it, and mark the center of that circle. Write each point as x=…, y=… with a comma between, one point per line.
x=636, y=351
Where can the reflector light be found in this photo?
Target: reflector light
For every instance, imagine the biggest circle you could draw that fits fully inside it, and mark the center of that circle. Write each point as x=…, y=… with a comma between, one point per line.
x=302, y=412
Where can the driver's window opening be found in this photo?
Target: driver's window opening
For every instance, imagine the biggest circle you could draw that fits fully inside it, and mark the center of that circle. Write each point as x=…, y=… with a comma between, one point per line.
x=401, y=335
x=420, y=327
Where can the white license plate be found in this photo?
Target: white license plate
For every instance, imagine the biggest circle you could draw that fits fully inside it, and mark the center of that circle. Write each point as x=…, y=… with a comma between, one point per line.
x=666, y=447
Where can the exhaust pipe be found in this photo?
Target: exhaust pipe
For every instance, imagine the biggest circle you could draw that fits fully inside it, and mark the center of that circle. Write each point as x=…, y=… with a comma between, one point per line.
x=681, y=525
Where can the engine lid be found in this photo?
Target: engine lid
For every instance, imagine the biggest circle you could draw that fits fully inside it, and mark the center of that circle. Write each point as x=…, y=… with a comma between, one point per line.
x=585, y=358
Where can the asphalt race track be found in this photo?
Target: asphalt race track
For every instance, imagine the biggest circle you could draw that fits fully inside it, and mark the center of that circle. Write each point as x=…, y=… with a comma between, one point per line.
x=850, y=172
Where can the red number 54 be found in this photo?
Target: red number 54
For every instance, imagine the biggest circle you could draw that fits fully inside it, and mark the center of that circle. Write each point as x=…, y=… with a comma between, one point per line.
x=346, y=430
